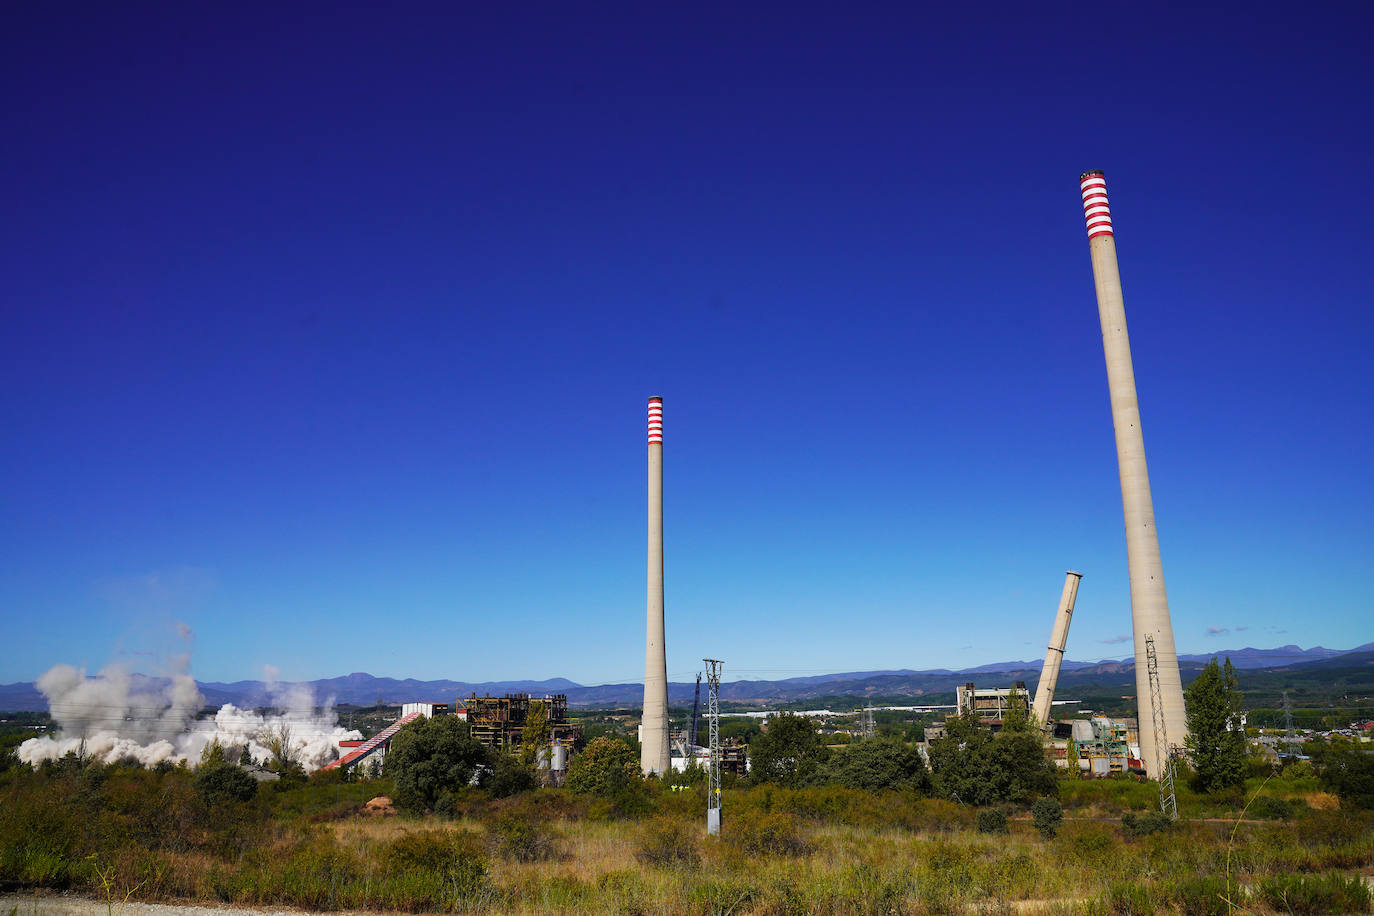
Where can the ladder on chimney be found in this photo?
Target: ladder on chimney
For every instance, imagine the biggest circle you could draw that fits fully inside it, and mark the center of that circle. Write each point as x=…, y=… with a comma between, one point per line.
x=1164, y=757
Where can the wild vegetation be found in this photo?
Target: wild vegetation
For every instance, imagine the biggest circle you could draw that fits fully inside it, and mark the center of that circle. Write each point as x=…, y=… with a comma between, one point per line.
x=860, y=834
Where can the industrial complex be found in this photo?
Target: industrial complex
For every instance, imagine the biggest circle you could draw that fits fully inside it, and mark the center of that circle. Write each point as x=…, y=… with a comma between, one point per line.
x=1097, y=746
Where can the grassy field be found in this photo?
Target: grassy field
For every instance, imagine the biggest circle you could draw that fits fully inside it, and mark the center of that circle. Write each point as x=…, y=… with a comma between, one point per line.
x=121, y=832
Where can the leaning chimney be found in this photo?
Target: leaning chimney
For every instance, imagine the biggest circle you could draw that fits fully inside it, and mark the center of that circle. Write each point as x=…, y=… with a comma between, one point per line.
x=1054, y=656
x=1149, y=603
x=653, y=754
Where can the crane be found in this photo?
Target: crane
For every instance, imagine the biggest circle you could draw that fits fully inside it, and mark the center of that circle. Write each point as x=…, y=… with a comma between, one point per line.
x=696, y=705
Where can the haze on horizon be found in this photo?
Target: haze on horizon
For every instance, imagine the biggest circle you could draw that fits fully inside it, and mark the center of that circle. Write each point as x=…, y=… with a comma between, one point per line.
x=329, y=332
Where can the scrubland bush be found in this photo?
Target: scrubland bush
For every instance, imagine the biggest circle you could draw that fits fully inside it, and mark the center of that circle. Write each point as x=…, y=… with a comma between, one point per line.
x=820, y=849
x=992, y=820
x=775, y=834
x=1129, y=898
x=1271, y=807
x=221, y=782
x=1349, y=773
x=456, y=859
x=431, y=757
x=1333, y=828
x=522, y=839
x=1144, y=824
x=606, y=768
x=877, y=764
x=1204, y=895
x=669, y=842
x=1046, y=816
x=1311, y=894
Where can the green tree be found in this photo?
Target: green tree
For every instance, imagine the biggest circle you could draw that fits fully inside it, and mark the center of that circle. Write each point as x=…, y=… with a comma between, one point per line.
x=973, y=766
x=219, y=782
x=1046, y=816
x=534, y=737
x=606, y=767
x=1215, y=742
x=507, y=775
x=789, y=753
x=879, y=763
x=1349, y=772
x=430, y=757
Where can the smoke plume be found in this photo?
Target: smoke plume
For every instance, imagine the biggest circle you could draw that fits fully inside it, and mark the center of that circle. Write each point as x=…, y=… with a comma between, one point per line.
x=121, y=716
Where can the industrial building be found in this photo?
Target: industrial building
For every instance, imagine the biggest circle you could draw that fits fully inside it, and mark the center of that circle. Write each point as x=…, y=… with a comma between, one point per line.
x=1101, y=746
x=500, y=721
x=990, y=706
x=734, y=755
x=497, y=722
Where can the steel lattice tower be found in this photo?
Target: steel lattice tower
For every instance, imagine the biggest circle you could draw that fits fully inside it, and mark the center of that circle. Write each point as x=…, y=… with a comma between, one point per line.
x=713, y=668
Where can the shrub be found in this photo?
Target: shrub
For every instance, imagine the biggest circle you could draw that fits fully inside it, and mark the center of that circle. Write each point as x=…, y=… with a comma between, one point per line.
x=523, y=840
x=669, y=842
x=455, y=858
x=877, y=764
x=973, y=766
x=992, y=820
x=1046, y=816
x=1144, y=824
x=430, y=757
x=1350, y=774
x=776, y=833
x=789, y=753
x=221, y=782
x=606, y=768
x=1311, y=894
x=1271, y=807
x=507, y=776
x=1332, y=828
x=1127, y=898
x=1204, y=895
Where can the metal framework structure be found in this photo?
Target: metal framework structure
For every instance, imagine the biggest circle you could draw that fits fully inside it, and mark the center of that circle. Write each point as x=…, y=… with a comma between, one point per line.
x=1290, y=734
x=868, y=728
x=713, y=669
x=382, y=740
x=500, y=721
x=1164, y=756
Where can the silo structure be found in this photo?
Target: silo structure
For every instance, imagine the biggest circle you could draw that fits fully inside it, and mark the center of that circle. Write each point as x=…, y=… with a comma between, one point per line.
x=653, y=754
x=1149, y=603
x=1054, y=656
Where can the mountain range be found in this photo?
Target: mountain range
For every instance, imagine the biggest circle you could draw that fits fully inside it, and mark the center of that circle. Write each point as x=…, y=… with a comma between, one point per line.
x=360, y=689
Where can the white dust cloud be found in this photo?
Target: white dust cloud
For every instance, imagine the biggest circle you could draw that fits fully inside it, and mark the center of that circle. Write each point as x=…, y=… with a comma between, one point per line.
x=121, y=716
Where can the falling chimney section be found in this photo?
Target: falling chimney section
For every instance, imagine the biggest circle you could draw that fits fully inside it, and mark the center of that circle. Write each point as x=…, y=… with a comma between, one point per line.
x=653, y=755
x=1054, y=657
x=1149, y=603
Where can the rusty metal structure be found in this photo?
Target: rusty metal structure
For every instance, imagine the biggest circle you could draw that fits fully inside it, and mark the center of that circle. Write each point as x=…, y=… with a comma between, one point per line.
x=991, y=705
x=500, y=721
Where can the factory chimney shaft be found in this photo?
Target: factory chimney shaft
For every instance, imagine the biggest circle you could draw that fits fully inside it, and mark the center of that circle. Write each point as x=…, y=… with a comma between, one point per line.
x=1149, y=602
x=1054, y=656
x=653, y=755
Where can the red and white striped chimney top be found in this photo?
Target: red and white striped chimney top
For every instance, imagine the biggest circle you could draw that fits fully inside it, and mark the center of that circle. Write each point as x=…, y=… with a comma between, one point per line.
x=1095, y=210
x=655, y=421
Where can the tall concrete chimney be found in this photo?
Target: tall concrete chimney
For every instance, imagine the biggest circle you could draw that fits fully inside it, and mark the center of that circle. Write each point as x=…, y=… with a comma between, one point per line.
x=653, y=753
x=1054, y=657
x=1149, y=603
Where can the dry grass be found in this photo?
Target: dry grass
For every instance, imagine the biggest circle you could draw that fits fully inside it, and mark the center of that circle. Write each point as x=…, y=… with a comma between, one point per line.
x=814, y=851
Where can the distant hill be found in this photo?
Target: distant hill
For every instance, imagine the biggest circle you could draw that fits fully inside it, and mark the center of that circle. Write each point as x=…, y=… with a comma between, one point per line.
x=1118, y=676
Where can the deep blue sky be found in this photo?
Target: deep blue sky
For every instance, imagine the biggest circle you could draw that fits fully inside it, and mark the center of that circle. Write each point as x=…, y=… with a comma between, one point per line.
x=328, y=332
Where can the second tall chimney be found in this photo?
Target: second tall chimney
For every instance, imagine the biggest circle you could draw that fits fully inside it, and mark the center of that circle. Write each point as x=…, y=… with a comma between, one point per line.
x=653, y=753
x=1149, y=603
